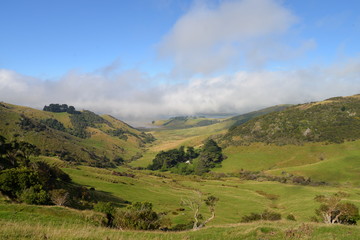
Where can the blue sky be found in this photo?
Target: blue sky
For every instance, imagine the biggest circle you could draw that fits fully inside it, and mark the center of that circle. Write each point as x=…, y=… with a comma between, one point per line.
x=151, y=58
x=49, y=38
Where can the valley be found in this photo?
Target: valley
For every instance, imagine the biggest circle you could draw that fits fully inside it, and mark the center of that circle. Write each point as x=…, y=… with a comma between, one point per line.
x=268, y=163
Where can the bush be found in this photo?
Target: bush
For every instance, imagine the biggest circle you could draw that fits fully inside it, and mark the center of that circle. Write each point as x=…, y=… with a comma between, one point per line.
x=251, y=218
x=183, y=169
x=291, y=217
x=104, y=207
x=270, y=216
x=139, y=216
x=266, y=215
x=107, y=208
x=34, y=195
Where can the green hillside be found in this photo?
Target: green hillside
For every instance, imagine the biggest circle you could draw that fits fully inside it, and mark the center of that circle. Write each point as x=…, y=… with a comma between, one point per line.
x=182, y=122
x=334, y=120
x=83, y=137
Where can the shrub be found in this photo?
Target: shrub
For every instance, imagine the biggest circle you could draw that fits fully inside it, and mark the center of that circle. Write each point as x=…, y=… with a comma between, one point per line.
x=107, y=208
x=271, y=216
x=251, y=218
x=266, y=215
x=291, y=217
x=139, y=216
x=34, y=195
x=183, y=169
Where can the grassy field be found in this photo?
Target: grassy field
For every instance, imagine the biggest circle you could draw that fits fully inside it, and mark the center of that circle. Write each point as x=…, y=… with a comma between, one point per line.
x=237, y=197
x=253, y=231
x=333, y=163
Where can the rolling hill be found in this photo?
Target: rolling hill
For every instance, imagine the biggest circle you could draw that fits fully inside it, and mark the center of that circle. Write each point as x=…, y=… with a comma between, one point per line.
x=334, y=120
x=80, y=137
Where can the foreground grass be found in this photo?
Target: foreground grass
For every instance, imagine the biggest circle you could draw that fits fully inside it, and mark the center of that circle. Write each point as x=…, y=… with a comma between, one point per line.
x=253, y=231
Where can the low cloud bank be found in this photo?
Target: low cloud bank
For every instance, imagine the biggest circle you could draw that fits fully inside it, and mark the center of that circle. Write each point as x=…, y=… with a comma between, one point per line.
x=134, y=96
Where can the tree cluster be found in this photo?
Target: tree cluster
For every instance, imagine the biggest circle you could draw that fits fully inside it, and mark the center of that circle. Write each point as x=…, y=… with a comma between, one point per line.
x=190, y=161
x=58, y=108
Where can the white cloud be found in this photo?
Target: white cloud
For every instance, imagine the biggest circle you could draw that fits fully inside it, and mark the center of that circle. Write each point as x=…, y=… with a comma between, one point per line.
x=132, y=95
x=207, y=39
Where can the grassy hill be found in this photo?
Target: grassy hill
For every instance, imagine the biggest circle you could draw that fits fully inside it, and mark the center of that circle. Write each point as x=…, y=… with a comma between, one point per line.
x=84, y=137
x=316, y=140
x=182, y=122
x=334, y=120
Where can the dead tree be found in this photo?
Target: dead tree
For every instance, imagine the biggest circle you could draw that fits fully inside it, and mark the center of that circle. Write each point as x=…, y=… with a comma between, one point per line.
x=195, y=204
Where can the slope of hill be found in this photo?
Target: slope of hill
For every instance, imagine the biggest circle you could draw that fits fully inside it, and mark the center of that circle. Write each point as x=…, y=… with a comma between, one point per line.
x=182, y=122
x=82, y=137
x=243, y=118
x=333, y=120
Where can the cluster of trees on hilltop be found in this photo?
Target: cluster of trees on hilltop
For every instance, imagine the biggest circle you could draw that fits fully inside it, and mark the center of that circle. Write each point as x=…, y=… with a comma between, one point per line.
x=191, y=161
x=58, y=108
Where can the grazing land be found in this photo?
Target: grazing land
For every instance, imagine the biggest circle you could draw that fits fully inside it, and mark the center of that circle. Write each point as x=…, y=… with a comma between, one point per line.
x=276, y=160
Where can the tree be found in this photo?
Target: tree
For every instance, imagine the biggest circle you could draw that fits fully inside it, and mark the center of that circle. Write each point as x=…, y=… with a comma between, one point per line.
x=167, y=159
x=25, y=150
x=332, y=210
x=211, y=151
x=195, y=204
x=210, y=155
x=15, y=180
x=191, y=153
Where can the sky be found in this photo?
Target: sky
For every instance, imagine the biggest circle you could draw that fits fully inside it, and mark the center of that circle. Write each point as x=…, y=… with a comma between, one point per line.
x=140, y=60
